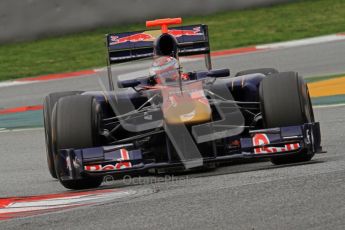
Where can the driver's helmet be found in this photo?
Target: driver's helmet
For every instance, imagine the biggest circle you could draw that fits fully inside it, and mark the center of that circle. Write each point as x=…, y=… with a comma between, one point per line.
x=165, y=69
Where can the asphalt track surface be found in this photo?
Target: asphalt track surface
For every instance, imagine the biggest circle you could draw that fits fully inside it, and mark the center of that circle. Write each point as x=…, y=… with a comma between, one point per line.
x=241, y=196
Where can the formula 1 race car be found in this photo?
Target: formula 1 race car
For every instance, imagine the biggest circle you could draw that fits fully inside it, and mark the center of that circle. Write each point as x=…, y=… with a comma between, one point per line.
x=175, y=120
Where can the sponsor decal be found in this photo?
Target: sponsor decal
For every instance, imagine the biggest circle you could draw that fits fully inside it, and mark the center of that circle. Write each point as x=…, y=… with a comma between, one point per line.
x=261, y=139
x=140, y=37
x=110, y=167
x=178, y=33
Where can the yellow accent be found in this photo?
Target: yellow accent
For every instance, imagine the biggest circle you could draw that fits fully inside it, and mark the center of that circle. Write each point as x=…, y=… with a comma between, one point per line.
x=188, y=112
x=331, y=87
x=154, y=33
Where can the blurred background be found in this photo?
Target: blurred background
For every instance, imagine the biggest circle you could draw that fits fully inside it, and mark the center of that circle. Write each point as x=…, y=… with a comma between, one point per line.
x=32, y=19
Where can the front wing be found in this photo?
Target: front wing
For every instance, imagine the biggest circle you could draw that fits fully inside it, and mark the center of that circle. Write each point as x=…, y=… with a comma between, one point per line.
x=75, y=164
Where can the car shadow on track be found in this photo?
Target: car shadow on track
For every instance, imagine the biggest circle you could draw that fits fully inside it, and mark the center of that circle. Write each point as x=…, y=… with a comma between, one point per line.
x=229, y=168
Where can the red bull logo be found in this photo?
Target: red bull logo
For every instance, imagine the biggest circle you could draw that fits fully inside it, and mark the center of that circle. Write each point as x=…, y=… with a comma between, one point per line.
x=178, y=33
x=260, y=139
x=109, y=167
x=140, y=37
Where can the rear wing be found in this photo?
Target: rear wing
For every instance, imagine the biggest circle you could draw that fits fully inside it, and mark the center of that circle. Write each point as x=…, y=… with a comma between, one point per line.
x=124, y=47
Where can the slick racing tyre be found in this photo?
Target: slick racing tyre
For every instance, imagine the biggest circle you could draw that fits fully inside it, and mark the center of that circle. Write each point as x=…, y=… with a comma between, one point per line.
x=264, y=71
x=48, y=105
x=285, y=101
x=75, y=122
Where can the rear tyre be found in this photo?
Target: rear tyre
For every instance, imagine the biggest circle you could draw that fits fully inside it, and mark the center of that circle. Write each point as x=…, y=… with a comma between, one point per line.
x=264, y=71
x=76, y=121
x=285, y=101
x=48, y=105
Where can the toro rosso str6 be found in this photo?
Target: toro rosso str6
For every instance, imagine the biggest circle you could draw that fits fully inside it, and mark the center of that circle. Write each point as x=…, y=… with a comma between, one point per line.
x=170, y=119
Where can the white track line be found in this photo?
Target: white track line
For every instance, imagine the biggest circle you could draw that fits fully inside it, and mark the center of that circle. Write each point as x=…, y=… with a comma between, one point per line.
x=4, y=130
x=13, y=83
x=303, y=42
x=328, y=106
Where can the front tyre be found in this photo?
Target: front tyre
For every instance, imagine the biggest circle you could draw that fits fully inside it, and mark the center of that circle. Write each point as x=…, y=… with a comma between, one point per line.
x=285, y=101
x=48, y=105
x=76, y=121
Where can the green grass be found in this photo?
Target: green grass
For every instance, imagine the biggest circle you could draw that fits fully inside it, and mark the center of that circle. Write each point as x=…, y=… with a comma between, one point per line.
x=227, y=30
x=322, y=78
